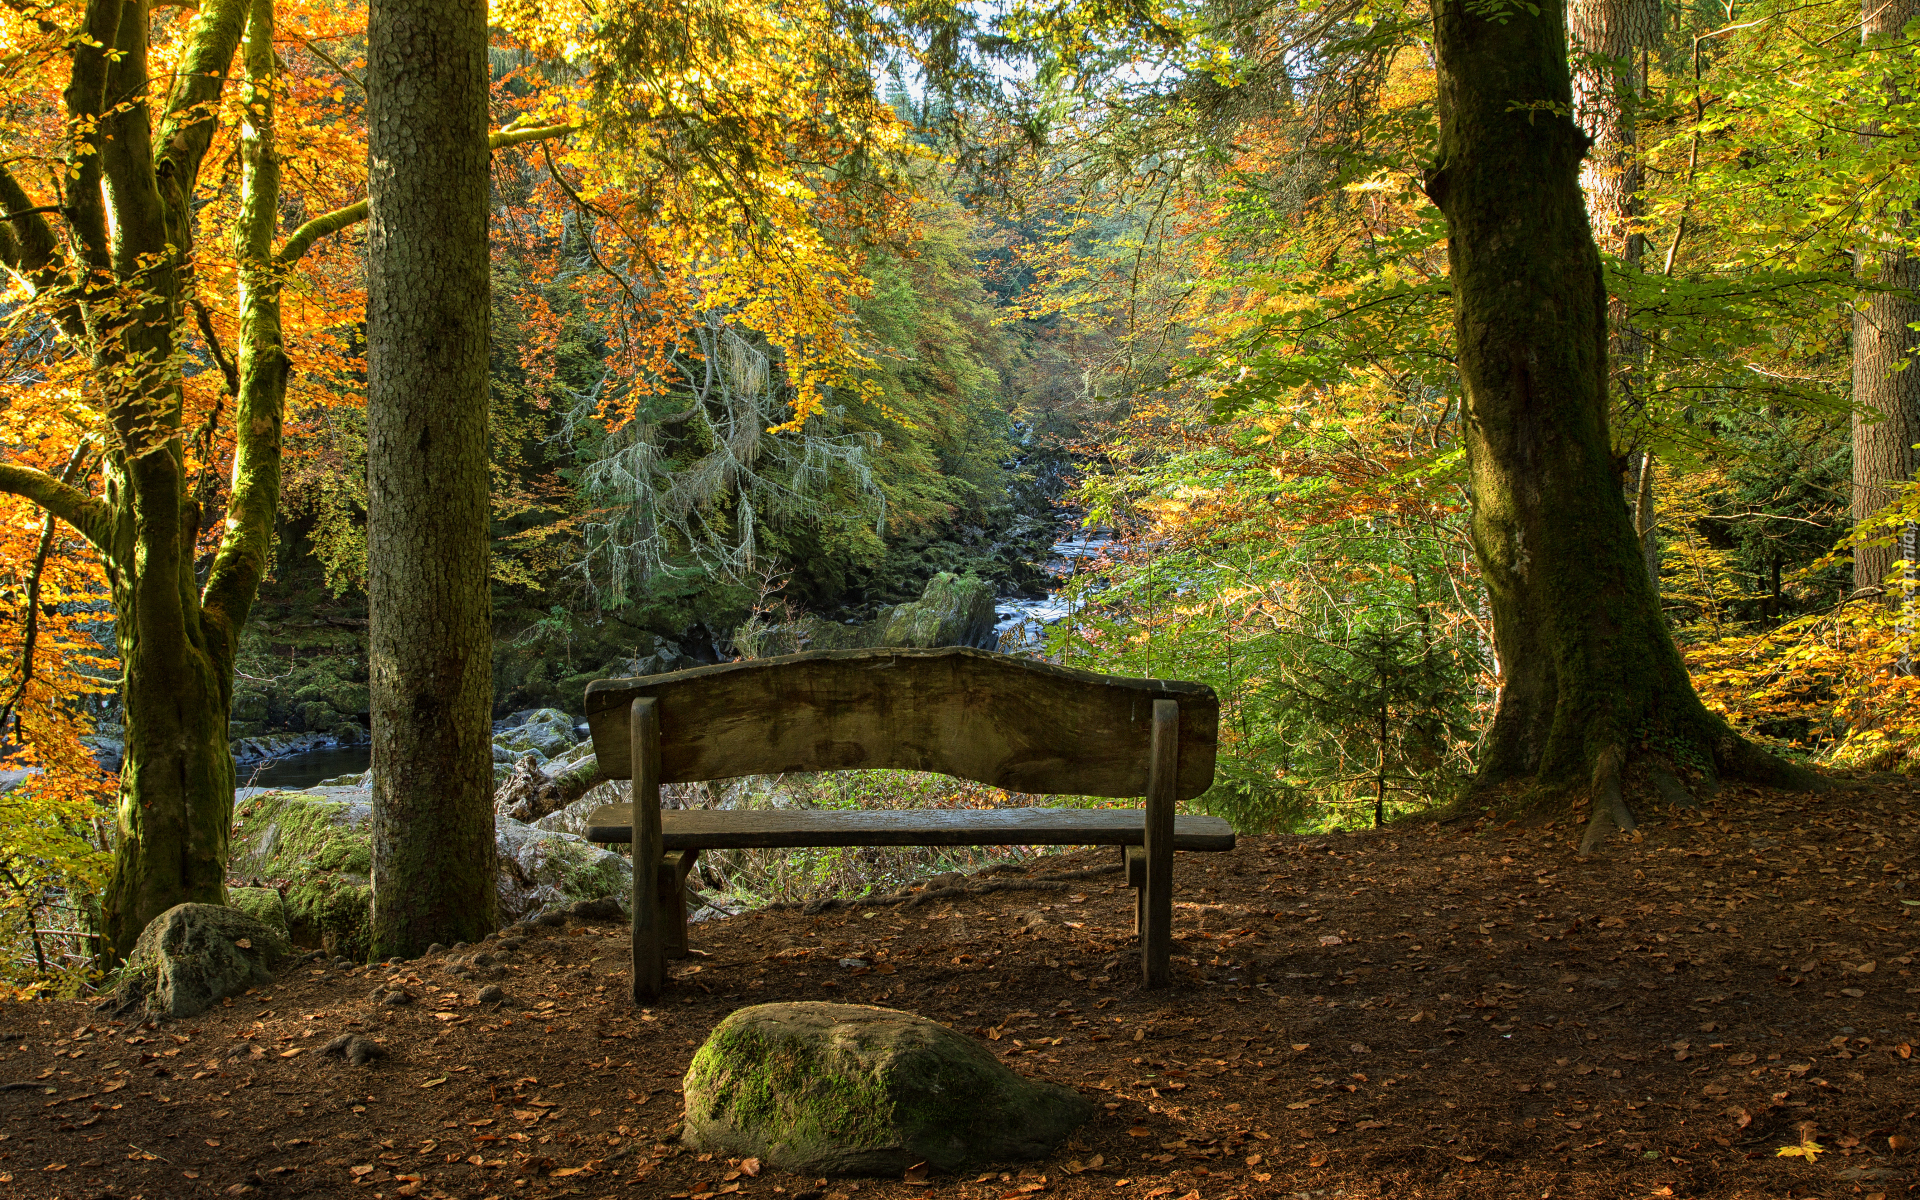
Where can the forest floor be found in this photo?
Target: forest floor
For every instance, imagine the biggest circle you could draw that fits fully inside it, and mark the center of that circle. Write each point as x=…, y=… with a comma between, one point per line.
x=1434, y=1010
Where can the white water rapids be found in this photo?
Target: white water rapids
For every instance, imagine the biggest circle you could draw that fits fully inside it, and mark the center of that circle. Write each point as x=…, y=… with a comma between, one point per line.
x=1022, y=624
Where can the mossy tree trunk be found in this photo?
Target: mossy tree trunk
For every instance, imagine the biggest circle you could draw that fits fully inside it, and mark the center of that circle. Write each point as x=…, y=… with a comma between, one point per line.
x=430, y=628
x=1591, y=674
x=117, y=279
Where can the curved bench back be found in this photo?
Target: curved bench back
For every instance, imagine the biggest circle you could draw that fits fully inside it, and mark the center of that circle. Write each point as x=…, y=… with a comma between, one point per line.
x=1009, y=722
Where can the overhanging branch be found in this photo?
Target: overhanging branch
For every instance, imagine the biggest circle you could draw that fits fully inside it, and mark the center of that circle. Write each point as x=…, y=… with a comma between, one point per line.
x=88, y=516
x=303, y=238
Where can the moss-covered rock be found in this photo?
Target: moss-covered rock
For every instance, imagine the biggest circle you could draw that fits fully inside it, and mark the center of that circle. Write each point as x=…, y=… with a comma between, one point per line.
x=954, y=610
x=545, y=871
x=320, y=846
x=853, y=1090
x=547, y=732
x=191, y=956
x=263, y=904
x=317, y=845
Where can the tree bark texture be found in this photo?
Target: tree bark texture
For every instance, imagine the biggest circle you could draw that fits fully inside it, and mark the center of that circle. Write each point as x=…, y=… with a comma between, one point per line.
x=1606, y=36
x=427, y=326
x=1886, y=418
x=1590, y=672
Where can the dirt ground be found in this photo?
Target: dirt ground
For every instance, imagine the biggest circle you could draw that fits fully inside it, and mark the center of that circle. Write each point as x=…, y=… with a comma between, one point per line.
x=1436, y=1010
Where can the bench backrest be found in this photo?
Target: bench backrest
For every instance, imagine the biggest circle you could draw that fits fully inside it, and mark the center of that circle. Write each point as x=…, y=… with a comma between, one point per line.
x=1009, y=722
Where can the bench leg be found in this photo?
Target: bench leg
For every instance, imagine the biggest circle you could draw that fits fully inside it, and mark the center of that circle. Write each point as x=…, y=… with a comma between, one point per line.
x=1156, y=927
x=649, y=967
x=674, y=869
x=1136, y=860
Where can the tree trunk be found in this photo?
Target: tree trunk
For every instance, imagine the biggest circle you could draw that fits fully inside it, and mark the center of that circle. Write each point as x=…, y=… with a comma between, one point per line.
x=1607, y=82
x=1606, y=36
x=1886, y=418
x=177, y=644
x=1591, y=674
x=430, y=628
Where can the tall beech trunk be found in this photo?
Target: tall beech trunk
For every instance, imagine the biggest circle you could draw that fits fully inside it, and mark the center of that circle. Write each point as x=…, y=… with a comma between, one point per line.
x=117, y=279
x=1591, y=677
x=1606, y=85
x=431, y=644
x=1886, y=382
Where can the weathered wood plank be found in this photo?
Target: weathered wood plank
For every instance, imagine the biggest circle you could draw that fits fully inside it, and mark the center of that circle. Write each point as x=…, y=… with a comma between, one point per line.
x=1010, y=722
x=706, y=829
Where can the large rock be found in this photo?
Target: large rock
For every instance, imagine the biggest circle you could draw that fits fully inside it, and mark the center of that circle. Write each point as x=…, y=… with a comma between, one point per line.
x=193, y=955
x=543, y=871
x=546, y=732
x=853, y=1090
x=954, y=610
x=320, y=843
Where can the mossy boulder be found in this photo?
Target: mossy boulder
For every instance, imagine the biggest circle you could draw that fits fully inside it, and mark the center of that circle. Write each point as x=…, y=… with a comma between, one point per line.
x=847, y=1089
x=545, y=871
x=953, y=610
x=320, y=845
x=249, y=705
x=192, y=955
x=546, y=732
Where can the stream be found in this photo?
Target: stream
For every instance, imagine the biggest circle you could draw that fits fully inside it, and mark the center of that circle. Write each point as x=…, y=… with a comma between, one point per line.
x=1021, y=626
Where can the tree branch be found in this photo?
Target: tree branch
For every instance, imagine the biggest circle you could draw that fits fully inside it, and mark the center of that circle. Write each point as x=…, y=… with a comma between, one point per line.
x=85, y=100
x=88, y=517
x=31, y=251
x=187, y=126
x=260, y=397
x=303, y=238
x=204, y=322
x=500, y=139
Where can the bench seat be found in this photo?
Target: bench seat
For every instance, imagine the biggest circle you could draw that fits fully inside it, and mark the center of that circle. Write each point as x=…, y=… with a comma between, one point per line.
x=708, y=829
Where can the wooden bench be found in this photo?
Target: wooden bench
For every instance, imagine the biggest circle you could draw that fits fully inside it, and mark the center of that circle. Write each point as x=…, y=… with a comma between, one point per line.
x=1009, y=722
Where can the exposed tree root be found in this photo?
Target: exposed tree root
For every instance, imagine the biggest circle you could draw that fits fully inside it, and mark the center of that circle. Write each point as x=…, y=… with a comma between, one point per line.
x=1610, y=811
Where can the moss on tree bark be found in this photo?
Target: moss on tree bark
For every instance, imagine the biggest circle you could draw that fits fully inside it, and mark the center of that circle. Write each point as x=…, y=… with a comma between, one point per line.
x=1591, y=678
